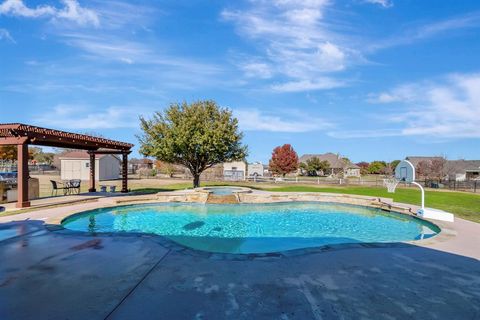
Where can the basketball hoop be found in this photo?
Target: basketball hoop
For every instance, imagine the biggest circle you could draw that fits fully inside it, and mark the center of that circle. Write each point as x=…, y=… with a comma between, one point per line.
x=405, y=172
x=391, y=184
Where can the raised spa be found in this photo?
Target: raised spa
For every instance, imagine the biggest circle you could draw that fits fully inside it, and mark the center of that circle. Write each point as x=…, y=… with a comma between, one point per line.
x=256, y=228
x=222, y=191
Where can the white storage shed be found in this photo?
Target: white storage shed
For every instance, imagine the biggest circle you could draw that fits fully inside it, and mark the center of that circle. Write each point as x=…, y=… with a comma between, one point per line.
x=76, y=165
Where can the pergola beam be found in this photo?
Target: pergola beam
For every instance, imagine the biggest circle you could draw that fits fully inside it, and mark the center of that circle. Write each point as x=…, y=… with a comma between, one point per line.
x=12, y=141
x=57, y=138
x=110, y=152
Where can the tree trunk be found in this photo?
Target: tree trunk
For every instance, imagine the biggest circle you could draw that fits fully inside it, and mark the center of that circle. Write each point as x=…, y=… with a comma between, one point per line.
x=196, y=180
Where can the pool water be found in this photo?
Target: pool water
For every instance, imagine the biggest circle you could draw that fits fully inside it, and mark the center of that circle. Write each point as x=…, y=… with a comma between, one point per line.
x=256, y=228
x=222, y=191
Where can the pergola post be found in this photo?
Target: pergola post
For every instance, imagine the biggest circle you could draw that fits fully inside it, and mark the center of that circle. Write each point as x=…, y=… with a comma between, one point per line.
x=22, y=176
x=125, y=172
x=92, y=172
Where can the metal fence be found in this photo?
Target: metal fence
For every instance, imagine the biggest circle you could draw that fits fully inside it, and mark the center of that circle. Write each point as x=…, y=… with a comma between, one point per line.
x=467, y=185
x=370, y=181
x=377, y=181
x=34, y=169
x=470, y=186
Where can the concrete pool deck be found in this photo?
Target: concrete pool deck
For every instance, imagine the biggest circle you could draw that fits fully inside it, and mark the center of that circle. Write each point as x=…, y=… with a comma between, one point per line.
x=48, y=273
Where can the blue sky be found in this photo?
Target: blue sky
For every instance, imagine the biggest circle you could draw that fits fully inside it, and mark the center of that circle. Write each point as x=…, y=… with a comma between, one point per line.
x=369, y=79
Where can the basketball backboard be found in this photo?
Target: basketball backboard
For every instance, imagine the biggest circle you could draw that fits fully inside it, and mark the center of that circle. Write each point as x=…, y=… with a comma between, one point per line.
x=405, y=171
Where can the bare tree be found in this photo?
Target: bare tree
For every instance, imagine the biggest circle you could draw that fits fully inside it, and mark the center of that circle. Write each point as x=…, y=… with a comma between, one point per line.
x=438, y=168
x=423, y=169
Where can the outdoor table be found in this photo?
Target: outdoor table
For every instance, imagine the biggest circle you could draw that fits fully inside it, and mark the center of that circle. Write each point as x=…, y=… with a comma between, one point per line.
x=71, y=185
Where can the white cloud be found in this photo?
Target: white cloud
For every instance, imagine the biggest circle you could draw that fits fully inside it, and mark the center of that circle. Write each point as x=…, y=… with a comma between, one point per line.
x=308, y=85
x=448, y=109
x=81, y=117
x=77, y=117
x=257, y=70
x=295, y=40
x=18, y=8
x=255, y=120
x=109, y=48
x=74, y=12
x=429, y=30
x=71, y=11
x=120, y=14
x=301, y=41
x=5, y=35
x=383, y=3
x=445, y=108
x=403, y=93
x=348, y=134
x=115, y=53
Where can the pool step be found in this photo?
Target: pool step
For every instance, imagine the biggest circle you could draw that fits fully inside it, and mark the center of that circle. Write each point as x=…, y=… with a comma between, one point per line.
x=215, y=198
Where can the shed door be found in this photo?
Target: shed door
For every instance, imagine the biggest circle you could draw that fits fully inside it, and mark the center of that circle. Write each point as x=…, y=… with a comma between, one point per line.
x=72, y=170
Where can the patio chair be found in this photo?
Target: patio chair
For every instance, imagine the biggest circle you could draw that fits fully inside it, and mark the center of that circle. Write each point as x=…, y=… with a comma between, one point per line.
x=74, y=186
x=55, y=188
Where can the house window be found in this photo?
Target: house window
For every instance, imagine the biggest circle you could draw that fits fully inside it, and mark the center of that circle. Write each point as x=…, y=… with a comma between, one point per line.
x=234, y=168
x=87, y=165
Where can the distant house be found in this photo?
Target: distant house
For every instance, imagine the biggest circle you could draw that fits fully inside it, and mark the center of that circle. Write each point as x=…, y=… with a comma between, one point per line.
x=256, y=169
x=415, y=160
x=351, y=170
x=76, y=165
x=463, y=170
x=136, y=164
x=458, y=170
x=336, y=163
x=266, y=170
x=235, y=171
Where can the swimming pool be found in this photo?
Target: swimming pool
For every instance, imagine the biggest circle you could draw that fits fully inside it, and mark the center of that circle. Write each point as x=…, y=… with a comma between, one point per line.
x=256, y=228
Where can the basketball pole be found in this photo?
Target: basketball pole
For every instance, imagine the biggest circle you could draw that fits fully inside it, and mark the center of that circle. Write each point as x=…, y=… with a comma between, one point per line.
x=405, y=171
x=423, y=194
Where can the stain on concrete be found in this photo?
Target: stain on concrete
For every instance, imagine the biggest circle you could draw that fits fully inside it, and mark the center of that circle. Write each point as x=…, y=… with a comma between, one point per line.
x=91, y=244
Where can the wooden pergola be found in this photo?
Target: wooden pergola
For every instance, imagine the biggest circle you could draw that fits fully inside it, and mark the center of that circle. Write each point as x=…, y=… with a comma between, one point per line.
x=23, y=135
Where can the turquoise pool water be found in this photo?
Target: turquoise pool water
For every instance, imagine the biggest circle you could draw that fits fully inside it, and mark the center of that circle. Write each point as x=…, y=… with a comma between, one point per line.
x=256, y=228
